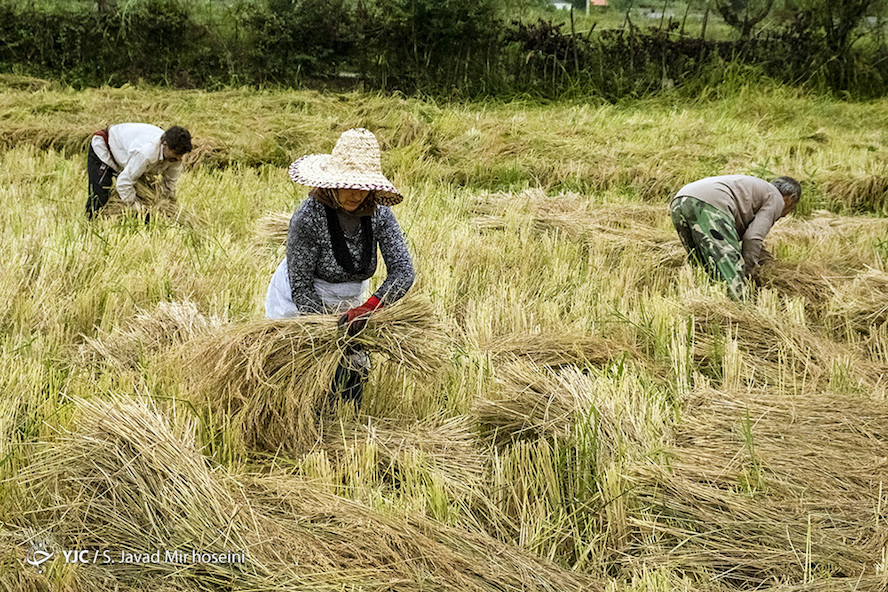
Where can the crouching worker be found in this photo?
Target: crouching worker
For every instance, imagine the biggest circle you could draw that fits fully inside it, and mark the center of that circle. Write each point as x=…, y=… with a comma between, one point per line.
x=128, y=151
x=722, y=222
x=332, y=243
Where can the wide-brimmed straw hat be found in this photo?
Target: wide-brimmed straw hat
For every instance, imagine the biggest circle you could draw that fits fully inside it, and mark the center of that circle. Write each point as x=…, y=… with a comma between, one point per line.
x=354, y=164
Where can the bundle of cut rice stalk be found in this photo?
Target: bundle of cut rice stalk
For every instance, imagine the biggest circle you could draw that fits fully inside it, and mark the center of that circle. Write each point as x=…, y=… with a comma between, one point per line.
x=272, y=229
x=422, y=553
x=539, y=403
x=270, y=379
x=862, y=301
x=448, y=449
x=153, y=201
x=858, y=297
x=769, y=342
x=824, y=226
x=530, y=404
x=812, y=281
x=756, y=479
x=866, y=583
x=617, y=225
x=123, y=478
x=558, y=347
x=149, y=333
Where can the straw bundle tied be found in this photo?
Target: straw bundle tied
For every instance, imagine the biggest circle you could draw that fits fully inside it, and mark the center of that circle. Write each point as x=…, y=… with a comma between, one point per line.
x=764, y=486
x=154, y=201
x=270, y=379
x=615, y=225
x=149, y=333
x=123, y=478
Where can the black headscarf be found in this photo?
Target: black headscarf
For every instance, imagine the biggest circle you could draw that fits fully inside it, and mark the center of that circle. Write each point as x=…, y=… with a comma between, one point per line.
x=343, y=256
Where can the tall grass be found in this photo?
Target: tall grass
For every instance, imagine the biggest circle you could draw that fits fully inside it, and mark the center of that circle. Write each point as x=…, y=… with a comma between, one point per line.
x=599, y=416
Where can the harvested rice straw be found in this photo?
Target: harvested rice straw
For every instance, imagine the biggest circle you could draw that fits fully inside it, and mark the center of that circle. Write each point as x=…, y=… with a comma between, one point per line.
x=558, y=348
x=15, y=544
x=448, y=558
x=271, y=378
x=812, y=281
x=773, y=342
x=171, y=323
x=272, y=229
x=618, y=225
x=567, y=207
x=858, y=298
x=863, y=301
x=122, y=478
x=866, y=583
x=864, y=192
x=539, y=403
x=756, y=477
x=530, y=404
x=446, y=448
x=824, y=226
x=153, y=201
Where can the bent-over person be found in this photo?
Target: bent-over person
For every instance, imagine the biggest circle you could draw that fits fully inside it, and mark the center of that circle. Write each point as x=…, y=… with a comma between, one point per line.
x=722, y=222
x=128, y=151
x=332, y=243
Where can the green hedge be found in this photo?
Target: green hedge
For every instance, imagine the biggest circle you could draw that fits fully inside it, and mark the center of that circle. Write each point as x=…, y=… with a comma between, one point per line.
x=450, y=47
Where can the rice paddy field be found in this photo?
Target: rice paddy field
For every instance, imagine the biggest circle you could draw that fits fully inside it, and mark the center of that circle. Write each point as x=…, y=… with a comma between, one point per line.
x=560, y=403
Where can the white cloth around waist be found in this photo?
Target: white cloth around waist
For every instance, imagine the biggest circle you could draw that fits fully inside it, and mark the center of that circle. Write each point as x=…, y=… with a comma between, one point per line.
x=336, y=297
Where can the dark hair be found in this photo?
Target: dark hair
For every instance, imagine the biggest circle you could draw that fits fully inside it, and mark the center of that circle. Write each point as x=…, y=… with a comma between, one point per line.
x=787, y=186
x=177, y=139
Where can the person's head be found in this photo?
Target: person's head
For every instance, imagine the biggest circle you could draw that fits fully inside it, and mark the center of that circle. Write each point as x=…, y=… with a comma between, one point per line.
x=176, y=143
x=351, y=199
x=791, y=191
x=351, y=176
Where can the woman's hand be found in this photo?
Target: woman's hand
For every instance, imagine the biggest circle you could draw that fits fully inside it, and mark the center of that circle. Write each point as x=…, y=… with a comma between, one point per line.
x=355, y=319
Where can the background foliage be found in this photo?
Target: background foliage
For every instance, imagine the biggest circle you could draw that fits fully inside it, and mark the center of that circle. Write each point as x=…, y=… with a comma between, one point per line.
x=463, y=48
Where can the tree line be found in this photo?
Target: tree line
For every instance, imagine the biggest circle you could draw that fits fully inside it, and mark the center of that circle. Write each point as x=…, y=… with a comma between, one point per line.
x=465, y=48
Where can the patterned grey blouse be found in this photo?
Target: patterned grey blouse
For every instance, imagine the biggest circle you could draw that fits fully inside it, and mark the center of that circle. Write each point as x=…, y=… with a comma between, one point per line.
x=310, y=254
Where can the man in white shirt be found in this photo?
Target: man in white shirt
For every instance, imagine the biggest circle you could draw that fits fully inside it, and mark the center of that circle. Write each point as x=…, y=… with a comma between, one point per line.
x=128, y=151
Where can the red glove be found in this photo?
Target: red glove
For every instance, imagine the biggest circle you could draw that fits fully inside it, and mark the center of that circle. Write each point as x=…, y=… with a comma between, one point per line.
x=356, y=318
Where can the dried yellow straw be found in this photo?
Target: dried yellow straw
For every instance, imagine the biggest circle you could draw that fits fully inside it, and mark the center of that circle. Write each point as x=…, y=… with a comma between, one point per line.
x=616, y=225
x=150, y=333
x=272, y=229
x=124, y=478
x=153, y=201
x=762, y=487
x=270, y=379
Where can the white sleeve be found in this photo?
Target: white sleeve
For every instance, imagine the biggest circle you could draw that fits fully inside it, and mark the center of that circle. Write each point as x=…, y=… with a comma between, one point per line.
x=134, y=169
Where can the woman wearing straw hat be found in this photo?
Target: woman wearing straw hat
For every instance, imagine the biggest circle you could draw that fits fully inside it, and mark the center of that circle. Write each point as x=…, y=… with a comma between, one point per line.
x=332, y=243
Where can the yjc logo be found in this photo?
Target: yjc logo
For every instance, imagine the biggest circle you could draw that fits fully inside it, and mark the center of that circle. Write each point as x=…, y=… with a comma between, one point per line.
x=37, y=556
